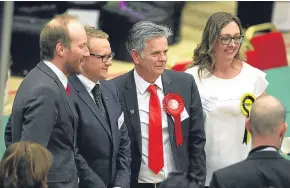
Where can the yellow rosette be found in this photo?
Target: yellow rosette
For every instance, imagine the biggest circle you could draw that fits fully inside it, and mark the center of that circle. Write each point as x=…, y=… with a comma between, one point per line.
x=247, y=101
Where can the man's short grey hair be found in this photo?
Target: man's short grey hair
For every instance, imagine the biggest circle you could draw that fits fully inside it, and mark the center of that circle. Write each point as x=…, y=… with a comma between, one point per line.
x=143, y=31
x=266, y=116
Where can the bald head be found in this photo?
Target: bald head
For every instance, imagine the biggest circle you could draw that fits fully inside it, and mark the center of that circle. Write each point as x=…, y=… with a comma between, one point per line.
x=267, y=116
x=62, y=20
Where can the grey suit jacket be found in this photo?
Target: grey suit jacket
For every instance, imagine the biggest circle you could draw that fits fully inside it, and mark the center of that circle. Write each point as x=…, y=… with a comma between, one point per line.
x=190, y=157
x=43, y=113
x=262, y=169
x=105, y=148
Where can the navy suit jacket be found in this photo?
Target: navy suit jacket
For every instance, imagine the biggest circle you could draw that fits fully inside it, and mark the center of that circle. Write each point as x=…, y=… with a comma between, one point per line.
x=262, y=169
x=104, y=149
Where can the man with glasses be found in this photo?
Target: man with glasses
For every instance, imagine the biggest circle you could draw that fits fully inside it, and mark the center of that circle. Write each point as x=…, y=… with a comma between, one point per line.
x=102, y=135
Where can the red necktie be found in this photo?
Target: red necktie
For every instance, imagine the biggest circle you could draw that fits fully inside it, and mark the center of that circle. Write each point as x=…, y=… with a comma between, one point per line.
x=155, y=155
x=67, y=90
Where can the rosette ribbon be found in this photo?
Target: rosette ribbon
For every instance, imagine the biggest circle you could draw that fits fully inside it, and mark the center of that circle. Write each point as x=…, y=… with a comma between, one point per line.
x=173, y=104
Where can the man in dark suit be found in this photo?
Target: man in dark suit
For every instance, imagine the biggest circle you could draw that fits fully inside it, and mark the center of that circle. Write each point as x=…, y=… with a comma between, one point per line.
x=42, y=111
x=264, y=167
x=102, y=135
x=165, y=135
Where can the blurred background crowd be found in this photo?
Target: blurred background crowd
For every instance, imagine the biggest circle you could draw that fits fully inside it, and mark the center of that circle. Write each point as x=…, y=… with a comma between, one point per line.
x=186, y=19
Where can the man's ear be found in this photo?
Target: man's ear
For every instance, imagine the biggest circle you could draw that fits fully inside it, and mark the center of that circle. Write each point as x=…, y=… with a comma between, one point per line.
x=59, y=49
x=283, y=129
x=135, y=56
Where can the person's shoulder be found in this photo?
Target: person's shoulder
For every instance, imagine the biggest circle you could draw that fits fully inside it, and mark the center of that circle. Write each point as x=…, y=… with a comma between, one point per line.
x=107, y=84
x=285, y=162
x=177, y=74
x=37, y=79
x=121, y=79
x=110, y=88
x=233, y=171
x=250, y=69
x=192, y=70
x=255, y=76
x=237, y=172
x=231, y=175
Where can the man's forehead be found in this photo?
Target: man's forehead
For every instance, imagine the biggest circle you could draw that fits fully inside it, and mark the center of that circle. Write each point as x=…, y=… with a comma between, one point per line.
x=155, y=48
x=75, y=26
x=99, y=44
x=77, y=31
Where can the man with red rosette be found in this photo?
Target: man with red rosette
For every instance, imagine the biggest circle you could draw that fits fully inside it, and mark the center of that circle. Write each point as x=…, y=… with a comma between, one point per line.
x=162, y=110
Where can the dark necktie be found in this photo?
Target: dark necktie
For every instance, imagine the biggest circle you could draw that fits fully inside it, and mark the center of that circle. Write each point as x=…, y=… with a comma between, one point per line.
x=155, y=145
x=98, y=99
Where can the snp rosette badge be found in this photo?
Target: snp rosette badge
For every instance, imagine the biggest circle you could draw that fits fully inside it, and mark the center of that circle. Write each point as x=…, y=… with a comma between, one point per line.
x=246, y=104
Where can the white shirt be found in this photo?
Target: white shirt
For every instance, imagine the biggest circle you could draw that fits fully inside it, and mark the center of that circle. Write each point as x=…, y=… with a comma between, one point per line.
x=225, y=122
x=143, y=96
x=61, y=76
x=89, y=85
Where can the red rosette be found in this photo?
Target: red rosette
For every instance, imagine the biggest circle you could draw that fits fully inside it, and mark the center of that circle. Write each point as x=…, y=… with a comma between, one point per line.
x=173, y=104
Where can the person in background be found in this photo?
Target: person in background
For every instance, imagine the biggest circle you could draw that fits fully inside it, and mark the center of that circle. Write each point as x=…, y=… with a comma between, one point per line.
x=264, y=166
x=25, y=165
x=227, y=86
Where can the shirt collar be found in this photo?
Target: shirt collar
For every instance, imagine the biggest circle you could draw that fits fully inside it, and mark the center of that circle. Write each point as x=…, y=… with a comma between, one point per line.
x=263, y=148
x=143, y=85
x=89, y=85
x=61, y=76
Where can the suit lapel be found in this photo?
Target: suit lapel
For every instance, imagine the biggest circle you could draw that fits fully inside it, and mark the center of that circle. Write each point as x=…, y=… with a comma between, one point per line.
x=87, y=99
x=50, y=73
x=131, y=101
x=168, y=88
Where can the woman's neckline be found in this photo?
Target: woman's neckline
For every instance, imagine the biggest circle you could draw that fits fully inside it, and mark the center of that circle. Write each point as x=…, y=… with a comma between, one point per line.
x=234, y=77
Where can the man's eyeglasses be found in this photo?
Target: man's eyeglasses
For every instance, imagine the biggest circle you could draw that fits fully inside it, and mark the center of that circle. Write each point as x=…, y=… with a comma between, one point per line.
x=105, y=58
x=227, y=39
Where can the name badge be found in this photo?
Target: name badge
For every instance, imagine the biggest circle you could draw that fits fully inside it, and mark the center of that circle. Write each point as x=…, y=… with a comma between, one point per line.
x=121, y=120
x=207, y=104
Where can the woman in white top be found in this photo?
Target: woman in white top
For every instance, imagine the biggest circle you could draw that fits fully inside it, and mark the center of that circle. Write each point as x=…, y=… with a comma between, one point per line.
x=223, y=80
